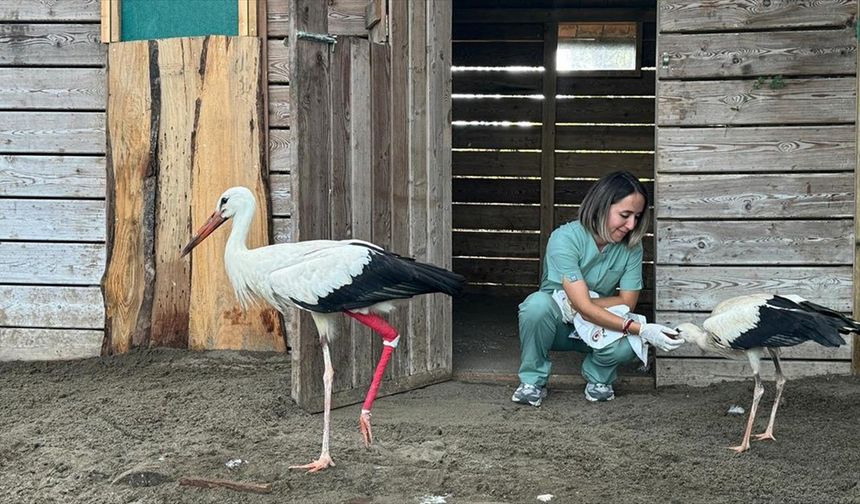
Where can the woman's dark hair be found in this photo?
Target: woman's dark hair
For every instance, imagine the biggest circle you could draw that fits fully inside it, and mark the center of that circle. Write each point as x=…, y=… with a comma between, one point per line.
x=610, y=189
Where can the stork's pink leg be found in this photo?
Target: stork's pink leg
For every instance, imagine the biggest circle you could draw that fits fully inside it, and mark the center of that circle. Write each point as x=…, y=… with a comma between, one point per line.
x=757, y=393
x=780, y=384
x=328, y=375
x=390, y=338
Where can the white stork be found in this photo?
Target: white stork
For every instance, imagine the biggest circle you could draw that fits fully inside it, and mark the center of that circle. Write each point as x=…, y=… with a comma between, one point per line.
x=744, y=326
x=326, y=278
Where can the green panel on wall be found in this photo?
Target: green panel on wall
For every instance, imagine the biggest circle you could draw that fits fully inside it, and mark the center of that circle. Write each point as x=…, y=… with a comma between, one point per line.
x=156, y=19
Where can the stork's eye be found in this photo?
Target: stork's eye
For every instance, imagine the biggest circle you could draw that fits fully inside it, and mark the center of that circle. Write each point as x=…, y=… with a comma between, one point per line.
x=223, y=201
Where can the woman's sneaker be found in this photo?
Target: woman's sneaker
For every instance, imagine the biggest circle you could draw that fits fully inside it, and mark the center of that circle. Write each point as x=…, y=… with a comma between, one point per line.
x=529, y=394
x=595, y=392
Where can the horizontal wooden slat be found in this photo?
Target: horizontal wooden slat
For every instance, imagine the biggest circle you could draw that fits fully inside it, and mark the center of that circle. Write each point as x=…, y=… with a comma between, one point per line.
x=824, y=195
x=282, y=230
x=496, y=190
x=714, y=15
x=52, y=220
x=567, y=164
x=496, y=32
x=34, y=306
x=52, y=88
x=278, y=18
x=771, y=149
x=534, y=12
x=498, y=54
x=278, y=56
x=808, y=350
x=702, y=372
x=49, y=344
x=701, y=288
x=52, y=263
x=496, y=291
x=605, y=110
x=497, y=82
x=755, y=242
x=280, y=158
x=496, y=109
x=573, y=191
x=801, y=101
x=595, y=86
x=819, y=52
x=54, y=11
x=519, y=245
x=605, y=137
x=52, y=176
x=505, y=271
x=51, y=44
x=281, y=195
x=279, y=106
x=345, y=17
x=495, y=137
x=510, y=217
x=52, y=132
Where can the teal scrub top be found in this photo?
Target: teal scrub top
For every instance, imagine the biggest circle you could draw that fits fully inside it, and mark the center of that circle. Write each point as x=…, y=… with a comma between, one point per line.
x=572, y=253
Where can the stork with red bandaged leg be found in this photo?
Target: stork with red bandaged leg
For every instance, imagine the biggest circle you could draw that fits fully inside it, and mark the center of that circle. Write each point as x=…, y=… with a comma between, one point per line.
x=327, y=278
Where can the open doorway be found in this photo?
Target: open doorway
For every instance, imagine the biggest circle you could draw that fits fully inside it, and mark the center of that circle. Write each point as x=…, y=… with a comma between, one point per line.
x=516, y=176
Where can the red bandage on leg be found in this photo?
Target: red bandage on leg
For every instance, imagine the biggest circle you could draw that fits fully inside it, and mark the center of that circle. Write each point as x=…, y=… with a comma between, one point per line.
x=390, y=338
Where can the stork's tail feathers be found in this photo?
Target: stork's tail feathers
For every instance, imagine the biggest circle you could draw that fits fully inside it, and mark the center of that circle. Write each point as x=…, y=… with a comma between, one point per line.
x=848, y=324
x=436, y=279
x=838, y=323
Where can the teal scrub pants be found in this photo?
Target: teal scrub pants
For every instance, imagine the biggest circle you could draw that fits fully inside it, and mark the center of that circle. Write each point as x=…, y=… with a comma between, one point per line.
x=542, y=329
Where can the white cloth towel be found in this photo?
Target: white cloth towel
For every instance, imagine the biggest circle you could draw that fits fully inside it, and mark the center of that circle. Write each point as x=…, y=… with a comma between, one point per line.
x=598, y=337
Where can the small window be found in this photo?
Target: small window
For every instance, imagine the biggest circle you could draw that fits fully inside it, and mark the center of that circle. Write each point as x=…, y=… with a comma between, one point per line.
x=599, y=48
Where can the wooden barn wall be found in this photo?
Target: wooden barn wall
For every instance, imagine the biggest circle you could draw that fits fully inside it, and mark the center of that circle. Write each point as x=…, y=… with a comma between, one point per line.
x=52, y=179
x=603, y=124
x=755, y=166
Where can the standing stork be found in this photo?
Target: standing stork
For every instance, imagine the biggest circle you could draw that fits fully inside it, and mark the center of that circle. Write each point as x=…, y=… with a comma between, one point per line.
x=744, y=326
x=326, y=278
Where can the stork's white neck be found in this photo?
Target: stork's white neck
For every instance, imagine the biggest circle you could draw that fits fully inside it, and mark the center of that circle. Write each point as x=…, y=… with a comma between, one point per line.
x=234, y=253
x=238, y=240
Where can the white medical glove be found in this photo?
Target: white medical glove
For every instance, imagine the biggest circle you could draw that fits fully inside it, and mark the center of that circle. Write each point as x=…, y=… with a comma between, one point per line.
x=656, y=334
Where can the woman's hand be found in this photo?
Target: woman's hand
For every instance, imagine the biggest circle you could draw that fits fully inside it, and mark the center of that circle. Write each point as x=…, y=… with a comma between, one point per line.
x=658, y=335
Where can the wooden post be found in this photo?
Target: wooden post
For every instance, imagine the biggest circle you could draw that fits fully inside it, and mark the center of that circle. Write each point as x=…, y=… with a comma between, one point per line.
x=547, y=171
x=855, y=355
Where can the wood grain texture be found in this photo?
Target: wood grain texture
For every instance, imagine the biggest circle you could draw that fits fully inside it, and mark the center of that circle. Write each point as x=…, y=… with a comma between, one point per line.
x=703, y=372
x=52, y=88
x=52, y=176
x=50, y=10
x=52, y=263
x=52, y=132
x=32, y=344
x=64, y=45
x=715, y=15
x=56, y=306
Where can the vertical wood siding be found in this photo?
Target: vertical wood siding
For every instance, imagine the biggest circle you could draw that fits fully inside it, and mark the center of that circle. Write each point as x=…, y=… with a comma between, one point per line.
x=755, y=165
x=52, y=179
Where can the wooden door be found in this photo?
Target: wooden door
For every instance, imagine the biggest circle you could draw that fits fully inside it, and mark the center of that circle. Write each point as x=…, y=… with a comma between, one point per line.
x=756, y=157
x=371, y=129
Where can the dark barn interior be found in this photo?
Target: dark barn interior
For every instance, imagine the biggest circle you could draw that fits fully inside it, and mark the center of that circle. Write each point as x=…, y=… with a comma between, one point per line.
x=535, y=122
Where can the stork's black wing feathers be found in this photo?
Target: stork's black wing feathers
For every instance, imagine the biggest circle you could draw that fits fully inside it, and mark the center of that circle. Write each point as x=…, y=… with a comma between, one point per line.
x=783, y=322
x=386, y=277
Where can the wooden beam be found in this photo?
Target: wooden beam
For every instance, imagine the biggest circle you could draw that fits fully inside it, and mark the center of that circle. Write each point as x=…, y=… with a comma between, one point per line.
x=110, y=21
x=855, y=358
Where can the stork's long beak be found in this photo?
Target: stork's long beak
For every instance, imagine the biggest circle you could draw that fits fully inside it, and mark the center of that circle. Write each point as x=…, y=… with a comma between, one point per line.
x=205, y=230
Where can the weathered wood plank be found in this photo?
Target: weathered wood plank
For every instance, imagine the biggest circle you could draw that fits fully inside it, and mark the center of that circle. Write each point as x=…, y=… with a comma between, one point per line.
x=279, y=106
x=567, y=164
x=497, y=109
x=700, y=288
x=52, y=263
x=568, y=192
x=702, y=372
x=52, y=176
x=280, y=151
x=714, y=15
x=606, y=110
x=345, y=17
x=801, y=101
x=768, y=149
x=822, y=195
x=507, y=217
x=482, y=244
x=52, y=88
x=818, y=52
x=498, y=54
x=52, y=132
x=496, y=163
x=282, y=230
x=52, y=220
x=54, y=306
x=278, y=62
x=499, y=270
x=278, y=18
x=514, y=31
x=617, y=138
x=594, y=11
x=280, y=189
x=50, y=10
x=48, y=344
x=808, y=350
x=496, y=190
x=497, y=82
x=817, y=242
x=494, y=137
x=51, y=44
x=619, y=86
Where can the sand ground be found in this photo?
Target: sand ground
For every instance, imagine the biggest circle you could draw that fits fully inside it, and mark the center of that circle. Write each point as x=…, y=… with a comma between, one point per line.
x=125, y=429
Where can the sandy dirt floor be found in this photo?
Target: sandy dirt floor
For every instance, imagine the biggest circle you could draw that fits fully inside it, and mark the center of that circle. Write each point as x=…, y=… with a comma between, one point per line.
x=125, y=429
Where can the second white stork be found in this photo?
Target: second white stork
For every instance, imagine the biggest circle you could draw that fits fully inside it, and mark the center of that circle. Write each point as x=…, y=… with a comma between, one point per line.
x=327, y=278
x=744, y=326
